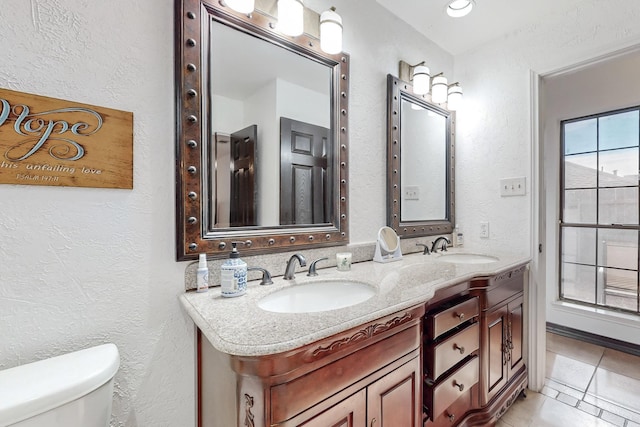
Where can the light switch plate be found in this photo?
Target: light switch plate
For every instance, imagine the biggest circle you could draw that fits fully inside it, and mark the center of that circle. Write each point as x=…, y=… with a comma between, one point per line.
x=513, y=186
x=412, y=192
x=484, y=229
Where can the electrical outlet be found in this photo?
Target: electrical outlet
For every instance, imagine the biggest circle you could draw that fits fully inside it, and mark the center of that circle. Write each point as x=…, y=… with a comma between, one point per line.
x=513, y=186
x=412, y=192
x=484, y=229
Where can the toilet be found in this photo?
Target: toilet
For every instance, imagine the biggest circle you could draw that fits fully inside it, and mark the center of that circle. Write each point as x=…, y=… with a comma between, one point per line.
x=71, y=390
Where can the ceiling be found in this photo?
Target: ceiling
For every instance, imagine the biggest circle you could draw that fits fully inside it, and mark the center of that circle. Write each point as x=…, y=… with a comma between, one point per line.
x=489, y=19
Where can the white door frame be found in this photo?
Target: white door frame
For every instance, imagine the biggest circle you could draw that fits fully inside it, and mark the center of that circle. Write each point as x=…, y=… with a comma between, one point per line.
x=536, y=289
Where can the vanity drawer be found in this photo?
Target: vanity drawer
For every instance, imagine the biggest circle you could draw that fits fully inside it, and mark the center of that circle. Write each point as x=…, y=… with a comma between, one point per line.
x=454, y=413
x=451, y=317
x=441, y=395
x=445, y=355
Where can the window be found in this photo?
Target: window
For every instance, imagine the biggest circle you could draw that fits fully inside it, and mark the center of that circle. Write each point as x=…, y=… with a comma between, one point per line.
x=599, y=227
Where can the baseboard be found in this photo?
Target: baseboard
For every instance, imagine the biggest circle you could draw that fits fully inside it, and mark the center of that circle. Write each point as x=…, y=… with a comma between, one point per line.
x=594, y=339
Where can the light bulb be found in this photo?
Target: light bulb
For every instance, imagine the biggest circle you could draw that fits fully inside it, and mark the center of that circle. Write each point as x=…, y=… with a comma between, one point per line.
x=242, y=6
x=459, y=8
x=290, y=17
x=331, y=32
x=455, y=97
x=421, y=80
x=439, y=89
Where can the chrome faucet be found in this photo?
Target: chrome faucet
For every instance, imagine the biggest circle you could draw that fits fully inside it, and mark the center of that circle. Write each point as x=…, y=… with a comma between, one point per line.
x=266, y=276
x=291, y=266
x=426, y=248
x=312, y=267
x=434, y=245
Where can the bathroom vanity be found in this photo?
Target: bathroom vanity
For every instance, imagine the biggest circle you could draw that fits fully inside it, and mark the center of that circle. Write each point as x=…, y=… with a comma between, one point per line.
x=439, y=344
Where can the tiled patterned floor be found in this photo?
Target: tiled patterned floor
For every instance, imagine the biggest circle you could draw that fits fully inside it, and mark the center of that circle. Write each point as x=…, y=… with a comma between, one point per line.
x=586, y=386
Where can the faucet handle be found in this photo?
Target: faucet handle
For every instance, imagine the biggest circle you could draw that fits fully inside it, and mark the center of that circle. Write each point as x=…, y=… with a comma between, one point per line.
x=266, y=276
x=312, y=267
x=426, y=248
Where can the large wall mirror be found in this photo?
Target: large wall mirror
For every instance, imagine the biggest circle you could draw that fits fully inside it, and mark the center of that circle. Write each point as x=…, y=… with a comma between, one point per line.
x=262, y=134
x=420, y=163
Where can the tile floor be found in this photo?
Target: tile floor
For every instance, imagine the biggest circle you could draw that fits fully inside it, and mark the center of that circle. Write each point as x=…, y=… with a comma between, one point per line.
x=586, y=386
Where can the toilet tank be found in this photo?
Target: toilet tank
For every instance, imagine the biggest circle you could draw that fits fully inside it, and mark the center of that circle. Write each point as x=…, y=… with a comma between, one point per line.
x=71, y=390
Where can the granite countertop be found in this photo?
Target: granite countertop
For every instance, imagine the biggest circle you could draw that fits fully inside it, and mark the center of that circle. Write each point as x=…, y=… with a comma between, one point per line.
x=237, y=326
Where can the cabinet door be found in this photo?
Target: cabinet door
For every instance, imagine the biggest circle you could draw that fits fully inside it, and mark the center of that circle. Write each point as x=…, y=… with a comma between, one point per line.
x=495, y=363
x=351, y=412
x=515, y=336
x=394, y=400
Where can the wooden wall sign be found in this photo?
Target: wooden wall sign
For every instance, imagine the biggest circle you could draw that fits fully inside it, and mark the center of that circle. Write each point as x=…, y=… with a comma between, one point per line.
x=48, y=141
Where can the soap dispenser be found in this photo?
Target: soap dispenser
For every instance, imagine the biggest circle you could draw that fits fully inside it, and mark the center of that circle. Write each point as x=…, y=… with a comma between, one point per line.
x=233, y=274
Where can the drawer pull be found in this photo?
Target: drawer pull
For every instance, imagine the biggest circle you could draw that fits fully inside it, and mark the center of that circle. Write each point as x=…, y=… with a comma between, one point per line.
x=457, y=347
x=451, y=417
x=373, y=422
x=459, y=316
x=460, y=386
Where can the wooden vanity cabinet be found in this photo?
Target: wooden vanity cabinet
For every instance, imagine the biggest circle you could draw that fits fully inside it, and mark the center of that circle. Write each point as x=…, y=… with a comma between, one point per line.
x=368, y=375
x=474, y=337
x=455, y=361
x=503, y=374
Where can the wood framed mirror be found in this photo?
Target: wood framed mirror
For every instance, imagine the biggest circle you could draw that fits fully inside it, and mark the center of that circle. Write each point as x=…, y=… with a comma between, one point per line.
x=420, y=163
x=262, y=135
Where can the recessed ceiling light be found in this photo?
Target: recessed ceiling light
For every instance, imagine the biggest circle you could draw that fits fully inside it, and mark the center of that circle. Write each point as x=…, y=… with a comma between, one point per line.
x=459, y=8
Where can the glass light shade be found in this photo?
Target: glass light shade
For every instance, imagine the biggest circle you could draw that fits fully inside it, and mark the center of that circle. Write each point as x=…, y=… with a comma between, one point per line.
x=421, y=80
x=330, y=32
x=455, y=97
x=459, y=8
x=242, y=6
x=439, y=90
x=290, y=17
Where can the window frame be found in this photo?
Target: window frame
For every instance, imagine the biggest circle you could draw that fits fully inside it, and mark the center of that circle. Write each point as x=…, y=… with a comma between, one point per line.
x=596, y=226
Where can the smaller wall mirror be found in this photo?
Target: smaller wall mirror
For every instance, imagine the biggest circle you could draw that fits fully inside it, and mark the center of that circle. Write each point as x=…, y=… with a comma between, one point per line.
x=387, y=246
x=420, y=159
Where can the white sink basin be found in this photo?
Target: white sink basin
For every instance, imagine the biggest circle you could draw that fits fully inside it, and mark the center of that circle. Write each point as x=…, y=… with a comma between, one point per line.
x=317, y=296
x=467, y=258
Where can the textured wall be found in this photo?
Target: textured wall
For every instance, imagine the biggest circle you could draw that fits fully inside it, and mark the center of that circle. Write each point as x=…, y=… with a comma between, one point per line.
x=494, y=126
x=376, y=42
x=83, y=266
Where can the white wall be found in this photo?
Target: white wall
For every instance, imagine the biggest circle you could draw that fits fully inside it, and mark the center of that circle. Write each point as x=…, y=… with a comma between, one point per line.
x=494, y=124
x=85, y=266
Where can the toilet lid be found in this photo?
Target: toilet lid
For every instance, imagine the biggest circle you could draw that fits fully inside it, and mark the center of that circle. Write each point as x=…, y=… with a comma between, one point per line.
x=34, y=388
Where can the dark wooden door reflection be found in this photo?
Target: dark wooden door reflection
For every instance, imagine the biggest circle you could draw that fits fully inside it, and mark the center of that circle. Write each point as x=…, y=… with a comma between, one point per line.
x=243, y=157
x=305, y=173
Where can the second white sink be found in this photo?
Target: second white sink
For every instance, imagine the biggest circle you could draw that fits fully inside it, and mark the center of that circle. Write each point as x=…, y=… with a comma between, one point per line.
x=317, y=296
x=467, y=258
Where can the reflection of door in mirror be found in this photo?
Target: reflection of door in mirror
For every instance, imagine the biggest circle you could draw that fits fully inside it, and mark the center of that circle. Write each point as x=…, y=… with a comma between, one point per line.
x=234, y=178
x=243, y=155
x=305, y=171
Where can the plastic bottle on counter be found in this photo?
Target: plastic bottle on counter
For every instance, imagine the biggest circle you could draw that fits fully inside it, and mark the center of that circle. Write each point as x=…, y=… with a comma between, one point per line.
x=202, y=275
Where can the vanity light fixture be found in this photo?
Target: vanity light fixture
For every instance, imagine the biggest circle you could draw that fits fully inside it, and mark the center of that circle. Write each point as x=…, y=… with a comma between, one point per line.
x=418, y=74
x=455, y=96
x=291, y=17
x=439, y=89
x=423, y=84
x=460, y=8
x=242, y=6
x=331, y=31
